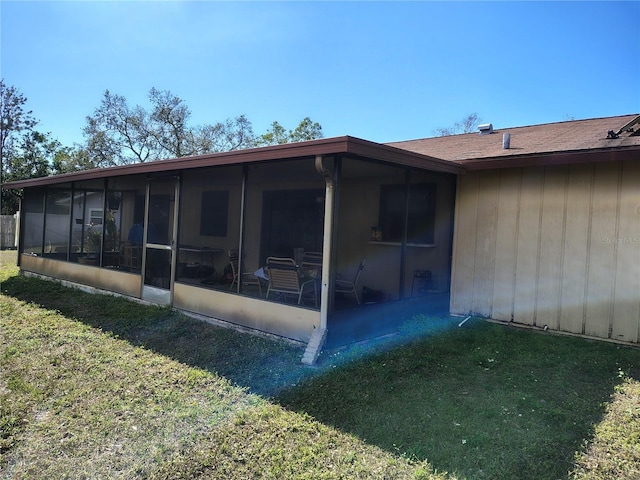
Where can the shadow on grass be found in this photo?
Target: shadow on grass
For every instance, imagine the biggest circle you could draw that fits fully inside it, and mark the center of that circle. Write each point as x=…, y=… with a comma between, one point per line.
x=259, y=364
x=482, y=401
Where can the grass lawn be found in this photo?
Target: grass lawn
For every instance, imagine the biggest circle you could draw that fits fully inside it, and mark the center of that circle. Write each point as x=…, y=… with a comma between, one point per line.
x=96, y=386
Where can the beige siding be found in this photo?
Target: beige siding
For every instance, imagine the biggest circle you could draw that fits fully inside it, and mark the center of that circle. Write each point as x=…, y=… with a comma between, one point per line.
x=551, y=242
x=626, y=299
x=488, y=187
x=556, y=246
x=604, y=208
x=506, y=238
x=576, y=249
x=464, y=244
x=527, y=247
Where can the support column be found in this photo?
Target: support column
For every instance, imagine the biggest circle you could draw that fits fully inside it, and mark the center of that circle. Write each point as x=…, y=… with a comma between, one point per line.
x=314, y=347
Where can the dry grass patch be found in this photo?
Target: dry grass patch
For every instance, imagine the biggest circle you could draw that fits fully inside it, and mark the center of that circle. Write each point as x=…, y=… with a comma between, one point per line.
x=615, y=449
x=79, y=403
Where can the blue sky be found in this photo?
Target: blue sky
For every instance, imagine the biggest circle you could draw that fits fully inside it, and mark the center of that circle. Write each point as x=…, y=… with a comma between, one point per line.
x=382, y=71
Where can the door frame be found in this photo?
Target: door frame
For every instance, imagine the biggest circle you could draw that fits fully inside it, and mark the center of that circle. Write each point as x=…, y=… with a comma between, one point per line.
x=155, y=294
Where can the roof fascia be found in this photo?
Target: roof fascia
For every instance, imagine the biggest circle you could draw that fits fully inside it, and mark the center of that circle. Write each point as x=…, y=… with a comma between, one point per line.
x=554, y=158
x=386, y=153
x=310, y=149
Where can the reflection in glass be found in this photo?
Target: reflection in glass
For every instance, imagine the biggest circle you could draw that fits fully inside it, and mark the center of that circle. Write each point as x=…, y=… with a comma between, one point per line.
x=87, y=226
x=124, y=222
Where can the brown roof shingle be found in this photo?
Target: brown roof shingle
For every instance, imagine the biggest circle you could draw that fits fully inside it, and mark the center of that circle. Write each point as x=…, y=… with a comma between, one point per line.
x=535, y=140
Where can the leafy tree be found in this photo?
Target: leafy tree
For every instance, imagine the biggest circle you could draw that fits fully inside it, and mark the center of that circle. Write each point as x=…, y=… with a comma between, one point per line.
x=31, y=156
x=232, y=134
x=70, y=159
x=118, y=134
x=306, y=130
x=467, y=125
x=167, y=124
x=13, y=118
x=14, y=122
x=277, y=134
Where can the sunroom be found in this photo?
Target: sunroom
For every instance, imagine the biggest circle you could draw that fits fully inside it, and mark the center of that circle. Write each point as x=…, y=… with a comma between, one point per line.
x=285, y=239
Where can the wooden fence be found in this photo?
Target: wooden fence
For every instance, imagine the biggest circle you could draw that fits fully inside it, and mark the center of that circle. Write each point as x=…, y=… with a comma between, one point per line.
x=8, y=226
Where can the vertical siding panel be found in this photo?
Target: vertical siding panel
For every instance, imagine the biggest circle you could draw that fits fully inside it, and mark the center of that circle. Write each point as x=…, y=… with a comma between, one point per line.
x=551, y=235
x=626, y=310
x=506, y=236
x=574, y=265
x=464, y=243
x=527, y=248
x=601, y=253
x=488, y=187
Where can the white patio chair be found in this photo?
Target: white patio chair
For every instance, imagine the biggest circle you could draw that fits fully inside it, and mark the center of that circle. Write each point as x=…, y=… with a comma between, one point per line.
x=350, y=287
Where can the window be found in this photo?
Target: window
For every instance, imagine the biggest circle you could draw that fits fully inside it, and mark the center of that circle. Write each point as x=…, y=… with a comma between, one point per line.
x=420, y=217
x=291, y=219
x=214, y=213
x=95, y=217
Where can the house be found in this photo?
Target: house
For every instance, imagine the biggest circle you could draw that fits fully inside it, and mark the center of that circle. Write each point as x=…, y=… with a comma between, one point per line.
x=545, y=232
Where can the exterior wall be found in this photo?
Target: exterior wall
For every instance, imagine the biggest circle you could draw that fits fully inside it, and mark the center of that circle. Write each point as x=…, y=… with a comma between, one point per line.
x=359, y=211
x=194, y=183
x=556, y=246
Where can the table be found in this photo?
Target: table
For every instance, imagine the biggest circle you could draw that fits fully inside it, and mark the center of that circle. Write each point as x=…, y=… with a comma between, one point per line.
x=202, y=253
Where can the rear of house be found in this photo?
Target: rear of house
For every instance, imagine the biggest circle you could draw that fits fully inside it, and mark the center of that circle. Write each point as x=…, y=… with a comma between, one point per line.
x=540, y=227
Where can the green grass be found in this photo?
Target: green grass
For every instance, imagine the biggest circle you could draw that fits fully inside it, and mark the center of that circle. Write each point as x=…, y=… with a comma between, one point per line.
x=99, y=387
x=96, y=386
x=482, y=401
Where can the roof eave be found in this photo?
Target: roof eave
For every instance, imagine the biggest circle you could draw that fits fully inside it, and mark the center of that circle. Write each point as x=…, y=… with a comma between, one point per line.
x=344, y=145
x=552, y=158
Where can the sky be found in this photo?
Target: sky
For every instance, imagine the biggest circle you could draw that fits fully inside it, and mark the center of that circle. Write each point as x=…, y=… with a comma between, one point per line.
x=382, y=71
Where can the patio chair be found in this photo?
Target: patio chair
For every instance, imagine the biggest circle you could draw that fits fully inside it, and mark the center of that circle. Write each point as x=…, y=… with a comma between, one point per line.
x=312, y=263
x=350, y=287
x=285, y=280
x=312, y=258
x=241, y=276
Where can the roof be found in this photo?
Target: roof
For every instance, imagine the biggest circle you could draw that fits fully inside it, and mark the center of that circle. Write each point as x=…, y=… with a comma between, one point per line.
x=562, y=142
x=575, y=141
x=347, y=146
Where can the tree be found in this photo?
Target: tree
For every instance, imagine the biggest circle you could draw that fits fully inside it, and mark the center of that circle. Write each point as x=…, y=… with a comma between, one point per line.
x=167, y=124
x=277, y=134
x=306, y=130
x=467, y=125
x=118, y=134
x=71, y=159
x=31, y=156
x=14, y=121
x=13, y=118
x=232, y=134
